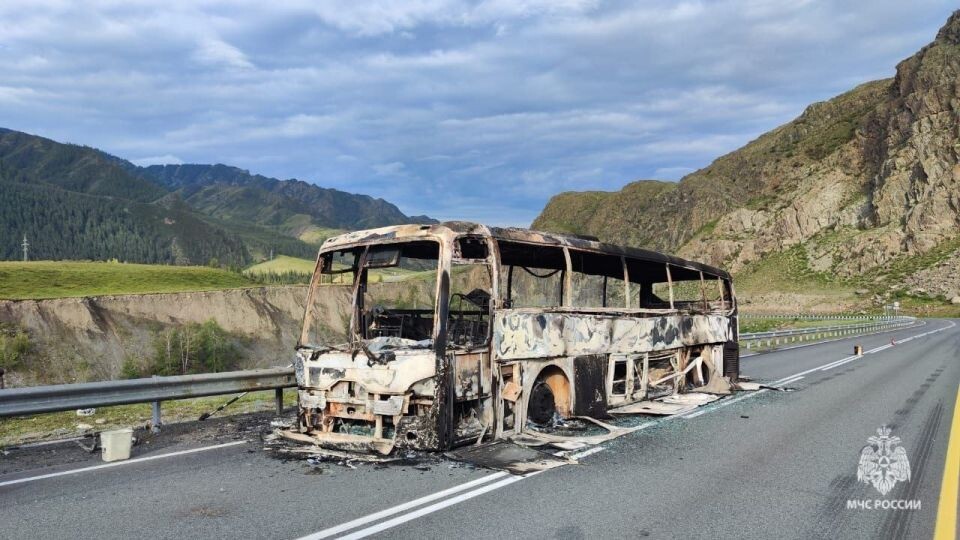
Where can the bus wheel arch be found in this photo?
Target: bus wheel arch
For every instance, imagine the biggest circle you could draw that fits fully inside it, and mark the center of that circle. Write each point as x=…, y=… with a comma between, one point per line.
x=551, y=393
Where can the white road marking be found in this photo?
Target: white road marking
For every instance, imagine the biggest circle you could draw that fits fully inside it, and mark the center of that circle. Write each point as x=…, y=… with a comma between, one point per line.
x=723, y=404
x=798, y=376
x=435, y=507
x=588, y=452
x=788, y=381
x=399, y=520
x=343, y=527
x=841, y=362
x=119, y=463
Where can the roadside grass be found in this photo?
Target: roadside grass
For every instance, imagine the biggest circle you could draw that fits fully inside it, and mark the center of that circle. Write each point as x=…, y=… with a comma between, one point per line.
x=926, y=306
x=281, y=264
x=318, y=235
x=788, y=272
x=897, y=270
x=284, y=264
x=301, y=226
x=63, y=425
x=57, y=279
x=749, y=325
x=903, y=266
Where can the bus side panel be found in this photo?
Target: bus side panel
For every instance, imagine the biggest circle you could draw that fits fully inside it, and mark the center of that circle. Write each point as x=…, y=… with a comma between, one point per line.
x=524, y=334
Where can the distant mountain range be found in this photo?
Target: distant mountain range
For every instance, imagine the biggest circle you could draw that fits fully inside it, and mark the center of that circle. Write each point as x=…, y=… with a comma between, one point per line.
x=76, y=202
x=863, y=189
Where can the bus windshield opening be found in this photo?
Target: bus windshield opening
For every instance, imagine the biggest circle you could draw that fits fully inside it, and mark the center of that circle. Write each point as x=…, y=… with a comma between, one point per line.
x=380, y=296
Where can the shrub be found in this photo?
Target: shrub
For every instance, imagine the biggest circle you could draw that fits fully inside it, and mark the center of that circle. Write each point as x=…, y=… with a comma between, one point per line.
x=194, y=348
x=131, y=369
x=287, y=277
x=14, y=346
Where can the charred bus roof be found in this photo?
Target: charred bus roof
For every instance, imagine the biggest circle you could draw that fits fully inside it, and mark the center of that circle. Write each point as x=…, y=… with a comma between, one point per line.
x=454, y=229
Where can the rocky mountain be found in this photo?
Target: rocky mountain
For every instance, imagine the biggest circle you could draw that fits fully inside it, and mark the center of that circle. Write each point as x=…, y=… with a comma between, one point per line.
x=863, y=189
x=76, y=202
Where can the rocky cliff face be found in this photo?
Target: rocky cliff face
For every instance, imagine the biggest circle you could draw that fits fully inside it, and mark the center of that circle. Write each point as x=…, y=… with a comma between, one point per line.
x=858, y=183
x=78, y=339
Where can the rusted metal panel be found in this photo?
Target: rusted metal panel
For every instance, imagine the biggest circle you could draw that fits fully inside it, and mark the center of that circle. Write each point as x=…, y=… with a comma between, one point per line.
x=395, y=378
x=589, y=380
x=471, y=375
x=451, y=229
x=525, y=334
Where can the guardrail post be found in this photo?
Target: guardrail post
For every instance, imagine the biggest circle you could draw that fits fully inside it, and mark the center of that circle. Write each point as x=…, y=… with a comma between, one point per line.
x=278, y=398
x=155, y=422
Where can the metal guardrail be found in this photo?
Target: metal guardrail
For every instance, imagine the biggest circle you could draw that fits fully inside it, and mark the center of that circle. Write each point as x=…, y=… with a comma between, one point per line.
x=815, y=316
x=775, y=337
x=66, y=397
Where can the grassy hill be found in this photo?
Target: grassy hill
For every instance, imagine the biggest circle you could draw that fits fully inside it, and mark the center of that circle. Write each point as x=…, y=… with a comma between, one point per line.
x=55, y=279
x=281, y=264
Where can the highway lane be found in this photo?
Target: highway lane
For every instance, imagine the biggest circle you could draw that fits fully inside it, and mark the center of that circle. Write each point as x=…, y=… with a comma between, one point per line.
x=775, y=463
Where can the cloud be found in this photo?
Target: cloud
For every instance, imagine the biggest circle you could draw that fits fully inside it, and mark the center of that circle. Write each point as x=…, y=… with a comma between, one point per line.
x=157, y=160
x=453, y=108
x=376, y=17
x=389, y=169
x=215, y=52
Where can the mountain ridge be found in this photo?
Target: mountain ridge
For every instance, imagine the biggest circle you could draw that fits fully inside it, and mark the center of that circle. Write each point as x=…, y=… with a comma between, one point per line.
x=212, y=187
x=854, y=187
x=75, y=201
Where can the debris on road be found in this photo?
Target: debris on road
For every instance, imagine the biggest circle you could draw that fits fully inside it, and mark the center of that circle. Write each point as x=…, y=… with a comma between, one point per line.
x=116, y=444
x=506, y=455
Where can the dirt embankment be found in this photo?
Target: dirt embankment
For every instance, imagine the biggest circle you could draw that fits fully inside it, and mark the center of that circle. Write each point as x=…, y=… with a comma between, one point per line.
x=80, y=339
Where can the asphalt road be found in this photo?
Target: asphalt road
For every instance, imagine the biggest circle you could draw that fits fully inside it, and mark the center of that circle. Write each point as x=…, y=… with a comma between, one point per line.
x=759, y=465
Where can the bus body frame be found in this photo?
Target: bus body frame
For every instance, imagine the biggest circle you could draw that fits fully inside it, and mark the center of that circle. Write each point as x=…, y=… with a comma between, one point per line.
x=563, y=359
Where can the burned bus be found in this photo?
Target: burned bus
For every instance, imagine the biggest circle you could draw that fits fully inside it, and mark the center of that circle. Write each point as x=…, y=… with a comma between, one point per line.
x=431, y=336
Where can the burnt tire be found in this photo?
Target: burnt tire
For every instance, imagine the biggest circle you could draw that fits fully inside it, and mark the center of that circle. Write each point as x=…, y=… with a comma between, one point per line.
x=541, y=406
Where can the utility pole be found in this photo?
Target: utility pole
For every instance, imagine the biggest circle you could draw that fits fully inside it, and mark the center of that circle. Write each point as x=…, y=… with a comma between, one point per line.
x=26, y=247
x=271, y=254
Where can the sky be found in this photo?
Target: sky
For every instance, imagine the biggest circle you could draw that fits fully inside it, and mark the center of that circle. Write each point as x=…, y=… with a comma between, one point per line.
x=458, y=110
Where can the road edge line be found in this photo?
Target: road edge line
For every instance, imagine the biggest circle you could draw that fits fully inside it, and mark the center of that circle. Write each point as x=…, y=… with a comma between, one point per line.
x=118, y=463
x=946, y=528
